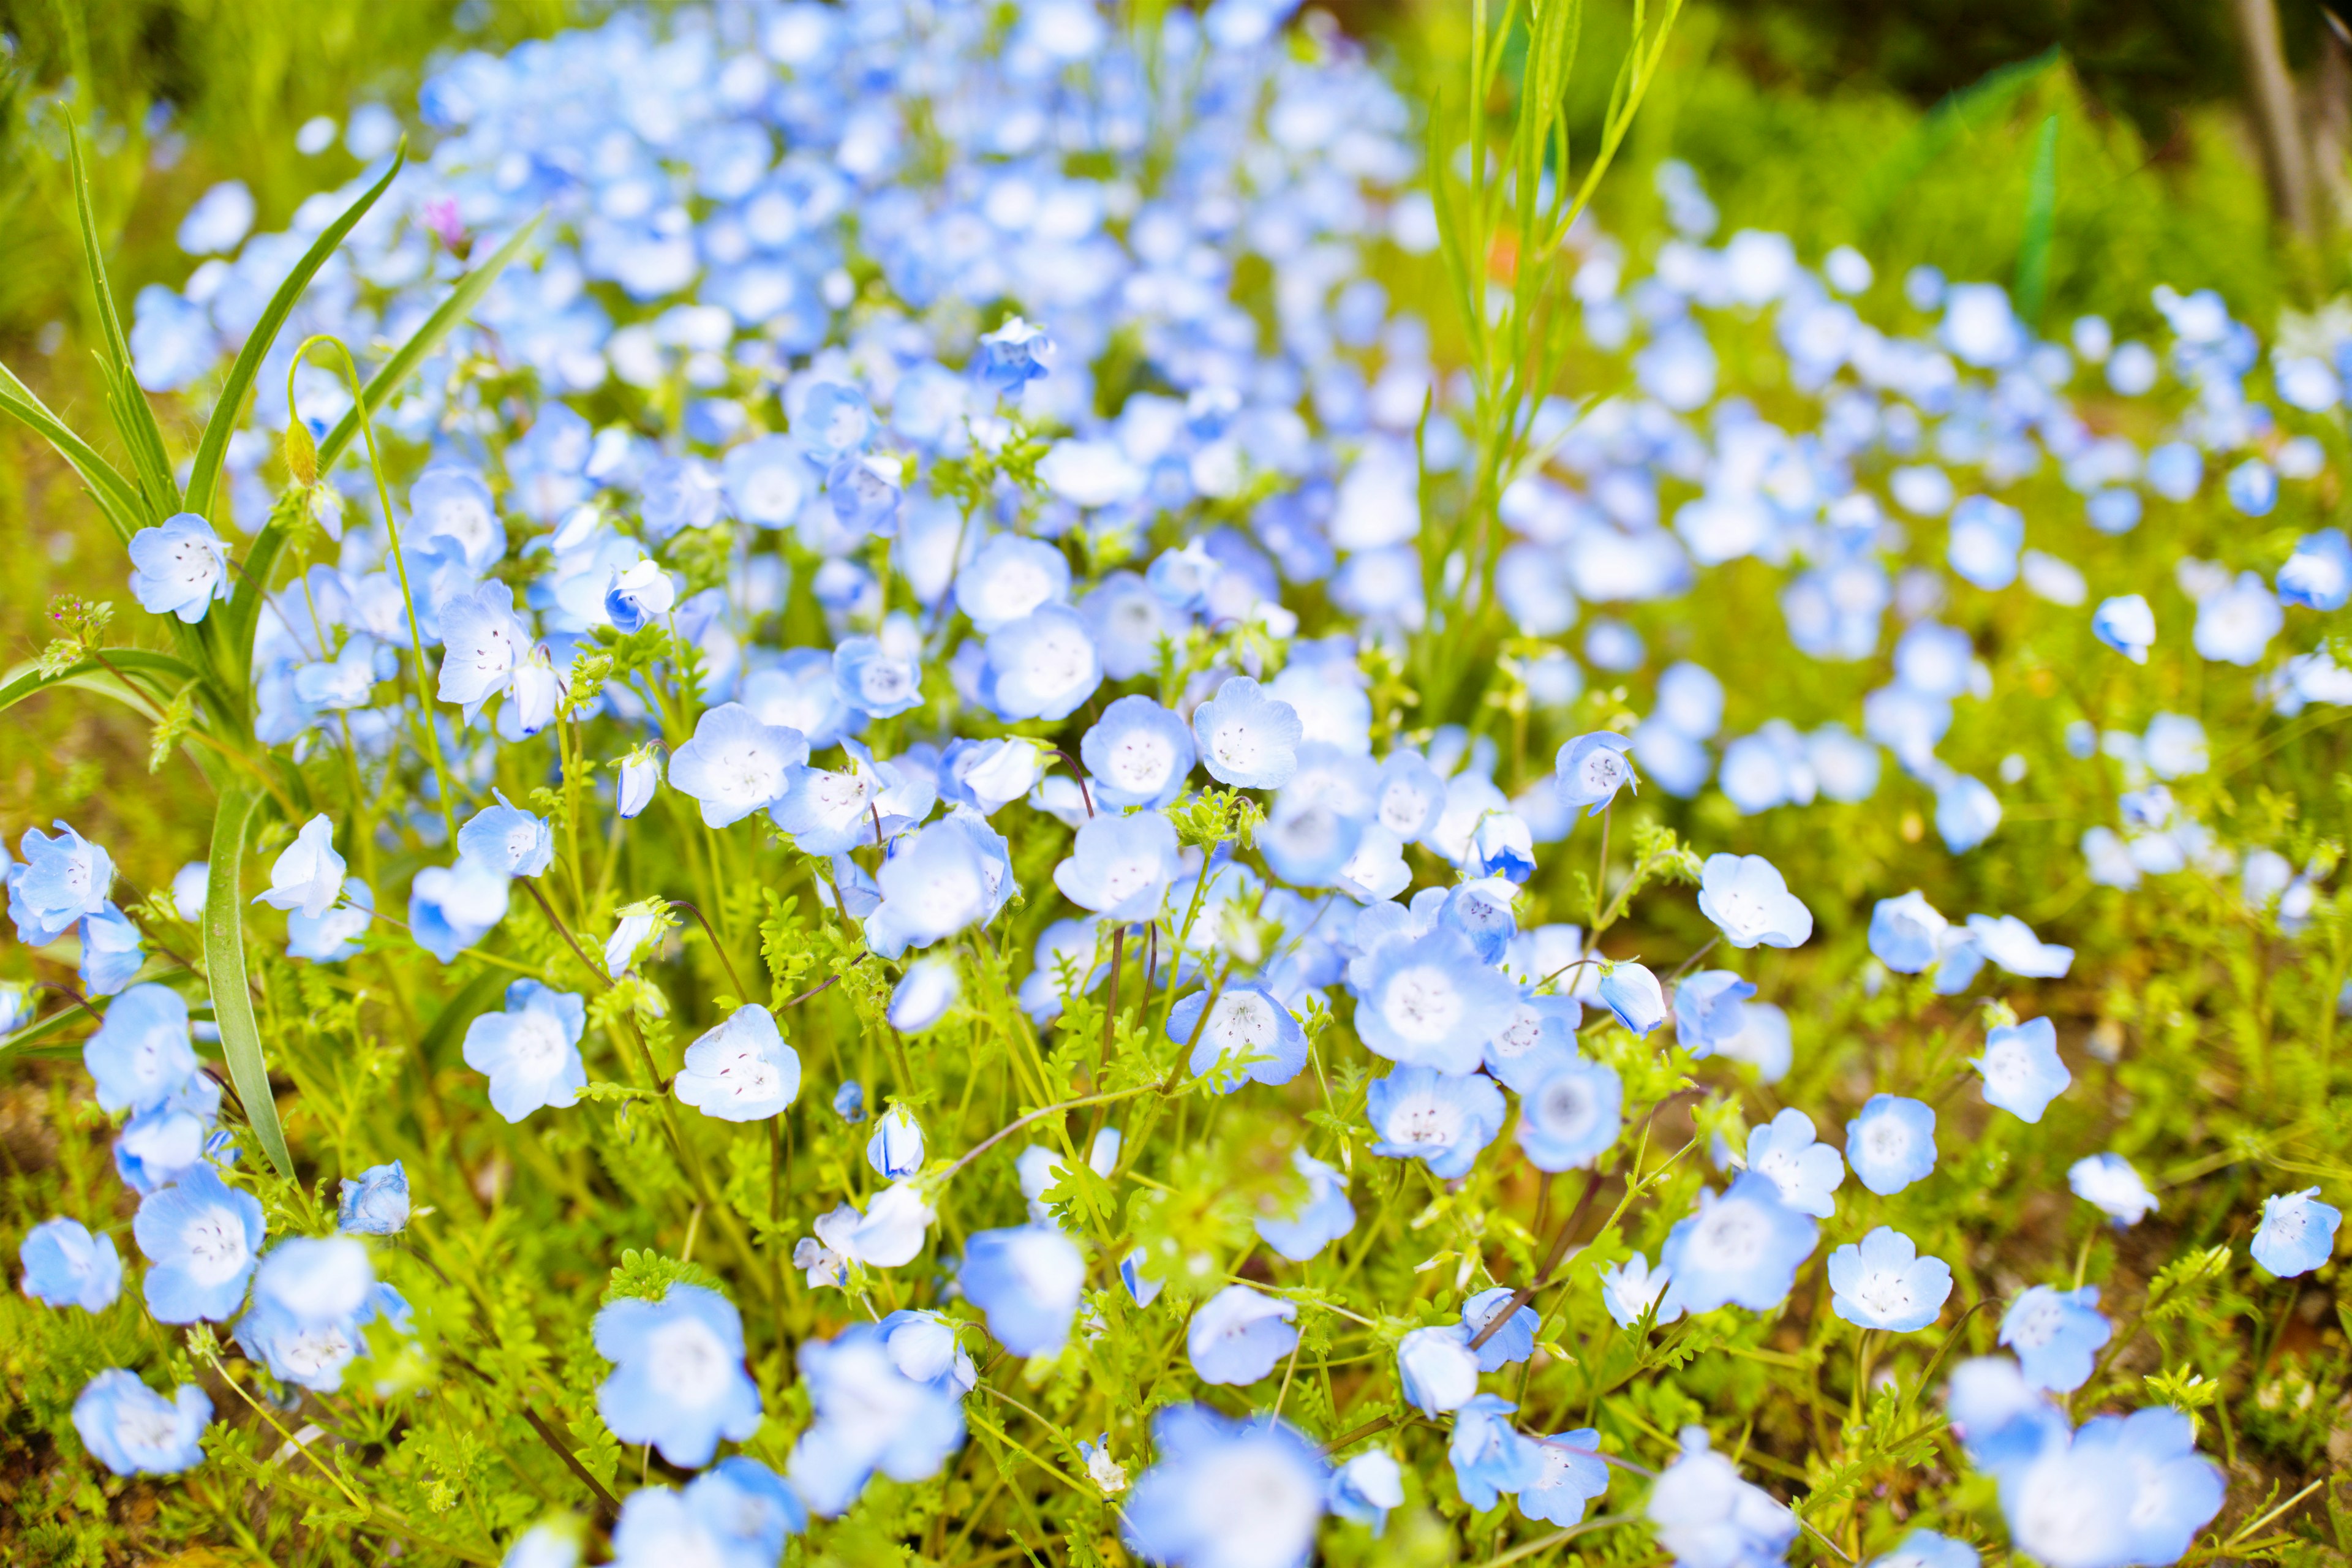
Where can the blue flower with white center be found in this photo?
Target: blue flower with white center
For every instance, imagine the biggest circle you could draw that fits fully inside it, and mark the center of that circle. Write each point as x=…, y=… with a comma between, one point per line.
x=935, y=883
x=1490, y=1457
x=1409, y=797
x=1502, y=847
x=865, y=492
x=160, y=1146
x=1706, y=1517
x=1366, y=1487
x=59, y=880
x=1573, y=1476
x=1244, y=1493
x=679, y=494
x=2235, y=624
x=1631, y=992
x=1741, y=1246
x=2298, y=1233
x=1805, y=1170
x=333, y=936
x=798, y=692
x=1239, y=1335
x=2252, y=488
x=871, y=677
x=988, y=775
x=2011, y=943
x=1119, y=866
x=111, y=955
x=639, y=595
x=141, y=1054
x=742, y=1070
x=922, y=1345
x=1009, y=576
x=871, y=1414
x=1249, y=1038
x=1629, y=1289
x=1985, y=538
x=1706, y=1009
x=374, y=1205
x=2174, y=1490
x=1591, y=769
x=1322, y=1218
x=1436, y=1368
x=1137, y=753
x=448, y=501
x=482, y=640
x=2318, y=575
x=678, y=1380
x=1441, y=1119
x=1749, y=902
x=2055, y=1335
x=658, y=1526
x=135, y=1431
x=531, y=1052
x=1965, y=813
x=180, y=568
x=451, y=908
x=1247, y=737
x=766, y=481
x=65, y=1266
x=925, y=993
x=310, y=1297
x=1026, y=1279
x=735, y=764
x=1907, y=934
x=1511, y=1343
x=1571, y=1116
x=639, y=771
x=307, y=875
x=828, y=812
x=1882, y=1282
x=887, y=1233
x=834, y=420
x=1012, y=356
x=1043, y=666
x=200, y=1239
x=1925, y=1549
x=2021, y=1069
x=1539, y=1039
x=2109, y=1183
x=895, y=1149
x=2126, y=625
x=1891, y=1144
x=507, y=839
x=1428, y=1000
x=1481, y=911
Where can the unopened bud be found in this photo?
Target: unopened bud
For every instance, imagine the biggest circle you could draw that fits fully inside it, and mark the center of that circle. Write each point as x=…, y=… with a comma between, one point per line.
x=301, y=453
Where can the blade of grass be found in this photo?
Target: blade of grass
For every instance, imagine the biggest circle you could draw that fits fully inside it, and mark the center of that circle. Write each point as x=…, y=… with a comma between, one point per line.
x=225, y=969
x=117, y=496
x=134, y=421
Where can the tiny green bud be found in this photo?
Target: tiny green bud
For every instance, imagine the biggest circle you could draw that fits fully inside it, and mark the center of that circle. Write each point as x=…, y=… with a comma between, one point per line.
x=301, y=454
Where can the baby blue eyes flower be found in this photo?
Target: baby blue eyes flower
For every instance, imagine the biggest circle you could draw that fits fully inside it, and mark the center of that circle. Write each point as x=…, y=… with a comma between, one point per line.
x=735, y=764
x=1591, y=769
x=1441, y=1119
x=1707, y=1011
x=1571, y=1116
x=2128, y=1489
x=1806, y=1172
x=1009, y=576
x=1891, y=1144
x=1244, y=1493
x=887, y=1234
x=1365, y=1488
x=2318, y=575
x=678, y=1380
x=1250, y=1036
x=1741, y=1246
x=1749, y=902
x=451, y=908
x=135, y=1431
x=641, y=770
x=923, y=1346
x=2011, y=943
x=2237, y=623
x=376, y=1203
x=1012, y=356
x=200, y=1238
x=2055, y=1335
x=2126, y=625
x=1511, y=1343
x=988, y=775
x=639, y=597
x=925, y=993
x=1437, y=1368
x=2109, y=1184
x=1043, y=666
x=1028, y=1281
x=871, y=679
x=1632, y=1287
x=1502, y=847
x=742, y=1070
x=1965, y=813
x=1907, y=934
x=895, y=1149
x=871, y=1414
x=1247, y=737
x=849, y=1103
x=58, y=881
x=1631, y=992
x=1925, y=1549
x=482, y=640
x=141, y=1054
x=531, y=1052
x=111, y=955
x=1119, y=866
x=1137, y=753
x=1489, y=1456
x=180, y=568
x=1985, y=538
x=65, y=1266
x=2296, y=1236
x=1239, y=1335
x=1573, y=1475
x=507, y=839
x=1708, y=1518
x=1321, y=1219
x=2020, y=1067
x=2253, y=487
x=1882, y=1282
x=1429, y=1000
x=310, y=1297
x=308, y=876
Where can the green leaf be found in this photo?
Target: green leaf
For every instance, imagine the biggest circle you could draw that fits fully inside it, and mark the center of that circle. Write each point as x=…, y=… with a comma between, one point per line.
x=134, y=421
x=203, y=475
x=117, y=497
x=173, y=673
x=225, y=966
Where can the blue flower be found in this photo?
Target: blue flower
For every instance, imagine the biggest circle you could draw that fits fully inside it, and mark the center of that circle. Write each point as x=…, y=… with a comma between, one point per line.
x=1239, y=1335
x=65, y=1266
x=766, y=481
x=1985, y=538
x=1137, y=753
x=1511, y=1343
x=1226, y=1493
x=895, y=1149
x=507, y=839
x=111, y=955
x=1436, y=1368
x=741, y=1070
x=1250, y=1036
x=1632, y=1287
x=659, y=1526
x=1539, y=1039
x=2123, y=1489
x=1706, y=1009
x=375, y=1205
x=308, y=876
x=531, y=1052
x=1573, y=1476
x=924, y=993
x=1591, y=769
x=1965, y=813
x=2126, y=625
x=1805, y=1170
x=1324, y=1216
x=1119, y=866
x=1502, y=847
x=1749, y=902
x=1028, y=1281
x=1925, y=1549
x=988, y=775
x=871, y=1414
x=871, y=678
x=640, y=770
x=1571, y=1116
x=1882, y=1282
x=639, y=595
x=849, y=1101
x=2252, y=488
x=1247, y=737
x=1012, y=356
x=935, y=883
x=1366, y=1487
x=1007, y=577
x=735, y=764
x=310, y=1297
x=200, y=1238
x=2109, y=1182
x=1441, y=1119
x=678, y=1380
x=1043, y=666
x=333, y=936
x=1742, y=1247
x=160, y=1146
x=2298, y=1233
x=2055, y=1335
x=1708, y=1518
x=451, y=908
x=1631, y=992
x=2318, y=575
x=180, y=568
x=1430, y=1001
x=135, y=1431
x=2236, y=624
x=140, y=1054
x=482, y=640
x=1891, y=1144
x=2011, y=943
x=2020, y=1067
x=1907, y=934
x=1490, y=1456
x=59, y=880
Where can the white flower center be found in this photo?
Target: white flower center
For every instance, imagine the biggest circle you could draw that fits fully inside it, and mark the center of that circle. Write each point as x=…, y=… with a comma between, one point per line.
x=1426, y=1121
x=537, y=1044
x=687, y=1362
x=1731, y=1237
x=215, y=1243
x=1140, y=764
x=1422, y=1004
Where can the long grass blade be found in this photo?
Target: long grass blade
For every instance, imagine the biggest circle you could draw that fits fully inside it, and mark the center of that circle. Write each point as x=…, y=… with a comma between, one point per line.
x=240, y=809
x=134, y=421
x=115, y=493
